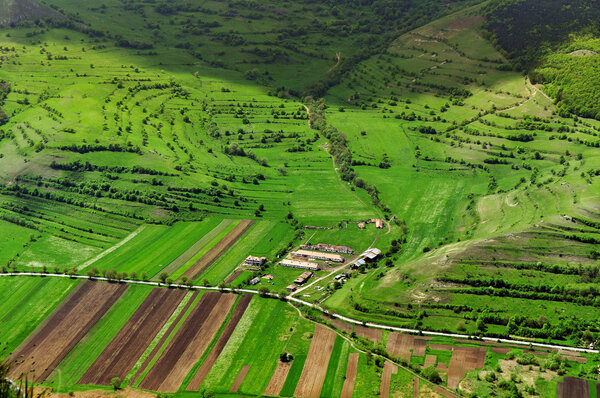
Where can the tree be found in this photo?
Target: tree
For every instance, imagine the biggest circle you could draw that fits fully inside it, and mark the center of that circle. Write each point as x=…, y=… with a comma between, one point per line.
x=432, y=375
x=283, y=294
x=115, y=382
x=286, y=357
x=263, y=291
x=163, y=277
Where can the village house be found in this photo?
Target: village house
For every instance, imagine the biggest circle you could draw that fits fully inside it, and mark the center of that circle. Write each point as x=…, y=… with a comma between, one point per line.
x=253, y=261
x=254, y=281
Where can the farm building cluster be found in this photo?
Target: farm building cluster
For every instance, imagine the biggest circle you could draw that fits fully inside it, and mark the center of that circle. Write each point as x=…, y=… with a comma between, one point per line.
x=309, y=255
x=377, y=221
x=368, y=256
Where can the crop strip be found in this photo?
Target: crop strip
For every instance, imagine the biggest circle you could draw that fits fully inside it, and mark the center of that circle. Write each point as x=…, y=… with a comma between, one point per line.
x=132, y=340
x=351, y=372
x=64, y=330
x=165, y=336
x=220, y=345
x=315, y=367
x=209, y=258
x=189, y=343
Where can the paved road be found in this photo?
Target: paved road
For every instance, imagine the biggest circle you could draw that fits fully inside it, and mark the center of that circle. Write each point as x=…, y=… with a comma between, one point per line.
x=299, y=301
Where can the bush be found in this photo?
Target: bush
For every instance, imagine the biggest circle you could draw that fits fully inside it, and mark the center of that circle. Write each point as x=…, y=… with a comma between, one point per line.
x=432, y=375
x=115, y=382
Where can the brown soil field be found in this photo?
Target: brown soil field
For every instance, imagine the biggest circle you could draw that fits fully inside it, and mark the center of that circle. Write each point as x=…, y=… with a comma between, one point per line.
x=126, y=393
x=233, y=276
x=440, y=347
x=370, y=333
x=572, y=387
x=430, y=360
x=278, y=379
x=399, y=345
x=386, y=377
x=165, y=336
x=572, y=358
x=464, y=359
x=65, y=328
x=213, y=254
x=416, y=387
x=500, y=350
x=315, y=367
x=443, y=392
x=129, y=344
x=350, y=380
x=441, y=366
x=189, y=343
x=218, y=348
x=338, y=323
x=239, y=379
x=419, y=348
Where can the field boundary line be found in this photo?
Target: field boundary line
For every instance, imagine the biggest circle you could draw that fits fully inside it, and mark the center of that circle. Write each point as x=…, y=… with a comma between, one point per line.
x=112, y=248
x=311, y=305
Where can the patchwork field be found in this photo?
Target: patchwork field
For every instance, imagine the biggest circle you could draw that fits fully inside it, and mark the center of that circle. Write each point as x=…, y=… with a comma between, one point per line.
x=157, y=144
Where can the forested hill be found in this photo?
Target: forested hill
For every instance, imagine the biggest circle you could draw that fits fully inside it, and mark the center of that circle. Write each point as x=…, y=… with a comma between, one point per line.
x=557, y=42
x=527, y=28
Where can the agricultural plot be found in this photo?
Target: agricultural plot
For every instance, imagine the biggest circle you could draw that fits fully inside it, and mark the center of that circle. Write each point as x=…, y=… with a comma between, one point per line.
x=46, y=349
x=217, y=251
x=153, y=248
x=278, y=379
x=464, y=359
x=122, y=353
x=210, y=360
x=350, y=378
x=389, y=369
x=26, y=302
x=81, y=357
x=188, y=345
x=315, y=367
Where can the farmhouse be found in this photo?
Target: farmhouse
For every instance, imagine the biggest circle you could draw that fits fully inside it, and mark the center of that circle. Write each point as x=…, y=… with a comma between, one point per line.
x=291, y=288
x=370, y=255
x=319, y=256
x=361, y=225
x=254, y=281
x=301, y=280
x=358, y=263
x=253, y=261
x=299, y=264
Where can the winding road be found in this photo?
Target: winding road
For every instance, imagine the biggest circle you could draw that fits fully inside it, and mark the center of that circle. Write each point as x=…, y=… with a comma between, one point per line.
x=311, y=305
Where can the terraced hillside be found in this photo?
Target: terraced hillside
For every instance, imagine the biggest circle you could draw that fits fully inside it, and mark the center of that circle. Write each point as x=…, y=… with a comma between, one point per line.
x=496, y=188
